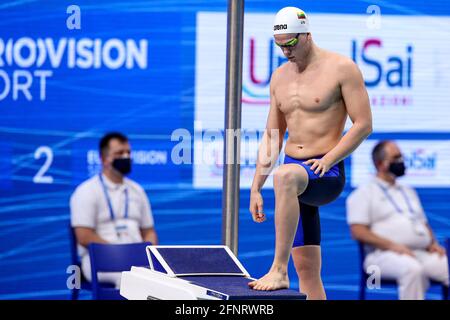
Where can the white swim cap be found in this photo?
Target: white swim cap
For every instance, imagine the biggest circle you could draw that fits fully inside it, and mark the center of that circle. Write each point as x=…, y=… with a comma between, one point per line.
x=290, y=20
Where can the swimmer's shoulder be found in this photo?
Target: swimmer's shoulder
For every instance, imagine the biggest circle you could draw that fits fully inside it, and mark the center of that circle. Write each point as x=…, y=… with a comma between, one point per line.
x=344, y=65
x=277, y=74
x=338, y=60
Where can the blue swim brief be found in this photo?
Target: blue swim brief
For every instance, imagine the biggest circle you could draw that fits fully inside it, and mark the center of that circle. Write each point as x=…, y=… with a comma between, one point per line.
x=320, y=191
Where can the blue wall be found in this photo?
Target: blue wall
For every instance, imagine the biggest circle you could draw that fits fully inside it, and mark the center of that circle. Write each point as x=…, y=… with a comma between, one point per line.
x=147, y=104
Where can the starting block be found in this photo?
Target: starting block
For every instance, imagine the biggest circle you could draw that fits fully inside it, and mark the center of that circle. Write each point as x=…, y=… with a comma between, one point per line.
x=194, y=273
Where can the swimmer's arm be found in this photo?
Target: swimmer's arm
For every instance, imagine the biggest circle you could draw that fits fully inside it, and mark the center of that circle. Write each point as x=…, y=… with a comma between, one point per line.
x=357, y=104
x=272, y=141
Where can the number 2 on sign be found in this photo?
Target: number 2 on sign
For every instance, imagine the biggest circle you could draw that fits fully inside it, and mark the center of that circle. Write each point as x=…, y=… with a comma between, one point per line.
x=40, y=176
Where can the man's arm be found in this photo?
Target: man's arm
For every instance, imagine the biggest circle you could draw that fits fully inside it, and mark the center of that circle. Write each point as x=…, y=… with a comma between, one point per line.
x=149, y=235
x=272, y=141
x=434, y=245
x=363, y=234
x=359, y=208
x=357, y=104
x=86, y=236
x=268, y=152
x=83, y=215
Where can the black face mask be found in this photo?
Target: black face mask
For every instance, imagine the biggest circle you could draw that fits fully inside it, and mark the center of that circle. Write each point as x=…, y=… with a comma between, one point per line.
x=397, y=168
x=123, y=165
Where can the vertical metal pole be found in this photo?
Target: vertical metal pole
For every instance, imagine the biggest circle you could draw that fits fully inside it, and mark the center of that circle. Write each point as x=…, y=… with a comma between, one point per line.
x=232, y=142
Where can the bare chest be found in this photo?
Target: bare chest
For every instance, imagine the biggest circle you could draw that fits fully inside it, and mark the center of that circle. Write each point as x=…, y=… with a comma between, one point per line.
x=309, y=94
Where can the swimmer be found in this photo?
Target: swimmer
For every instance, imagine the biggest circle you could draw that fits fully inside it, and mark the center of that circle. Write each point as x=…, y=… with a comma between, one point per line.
x=311, y=96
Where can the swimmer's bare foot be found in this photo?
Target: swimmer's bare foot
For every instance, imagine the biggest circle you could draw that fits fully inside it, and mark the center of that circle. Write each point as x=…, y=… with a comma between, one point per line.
x=273, y=280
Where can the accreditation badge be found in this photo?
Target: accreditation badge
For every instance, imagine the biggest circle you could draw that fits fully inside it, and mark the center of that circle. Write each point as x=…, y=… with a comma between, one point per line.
x=122, y=231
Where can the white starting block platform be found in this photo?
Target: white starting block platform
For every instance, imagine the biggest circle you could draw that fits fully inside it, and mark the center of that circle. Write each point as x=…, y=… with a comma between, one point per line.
x=194, y=273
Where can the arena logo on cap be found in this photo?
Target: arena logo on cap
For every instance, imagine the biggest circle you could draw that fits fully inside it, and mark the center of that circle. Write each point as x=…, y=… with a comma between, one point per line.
x=280, y=27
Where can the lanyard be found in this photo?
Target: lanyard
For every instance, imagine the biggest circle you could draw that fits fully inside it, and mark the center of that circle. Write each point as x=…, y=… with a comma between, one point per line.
x=108, y=200
x=411, y=211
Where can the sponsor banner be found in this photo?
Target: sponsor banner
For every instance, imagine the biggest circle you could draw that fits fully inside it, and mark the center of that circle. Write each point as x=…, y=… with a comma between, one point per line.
x=404, y=63
x=151, y=162
x=427, y=163
x=208, y=160
x=27, y=64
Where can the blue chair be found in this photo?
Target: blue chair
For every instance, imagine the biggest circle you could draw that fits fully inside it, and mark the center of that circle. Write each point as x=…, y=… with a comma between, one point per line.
x=75, y=260
x=114, y=258
x=364, y=276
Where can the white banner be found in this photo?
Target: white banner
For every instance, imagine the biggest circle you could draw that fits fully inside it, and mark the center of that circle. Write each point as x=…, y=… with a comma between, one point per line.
x=427, y=163
x=405, y=65
x=208, y=159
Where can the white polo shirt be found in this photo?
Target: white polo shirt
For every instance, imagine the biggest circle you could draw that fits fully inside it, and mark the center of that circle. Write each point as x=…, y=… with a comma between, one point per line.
x=391, y=211
x=89, y=208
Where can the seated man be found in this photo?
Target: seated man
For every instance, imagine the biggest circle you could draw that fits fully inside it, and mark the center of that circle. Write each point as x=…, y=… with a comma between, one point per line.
x=389, y=219
x=109, y=208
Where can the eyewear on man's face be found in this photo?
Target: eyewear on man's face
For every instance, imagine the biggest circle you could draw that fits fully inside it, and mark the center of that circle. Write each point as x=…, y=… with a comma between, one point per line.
x=290, y=44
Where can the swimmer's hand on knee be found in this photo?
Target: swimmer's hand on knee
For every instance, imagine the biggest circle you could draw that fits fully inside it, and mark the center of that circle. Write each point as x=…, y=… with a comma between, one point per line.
x=256, y=207
x=318, y=166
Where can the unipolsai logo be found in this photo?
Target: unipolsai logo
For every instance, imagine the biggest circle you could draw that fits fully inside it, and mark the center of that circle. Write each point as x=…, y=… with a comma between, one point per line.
x=261, y=59
x=385, y=66
x=420, y=162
